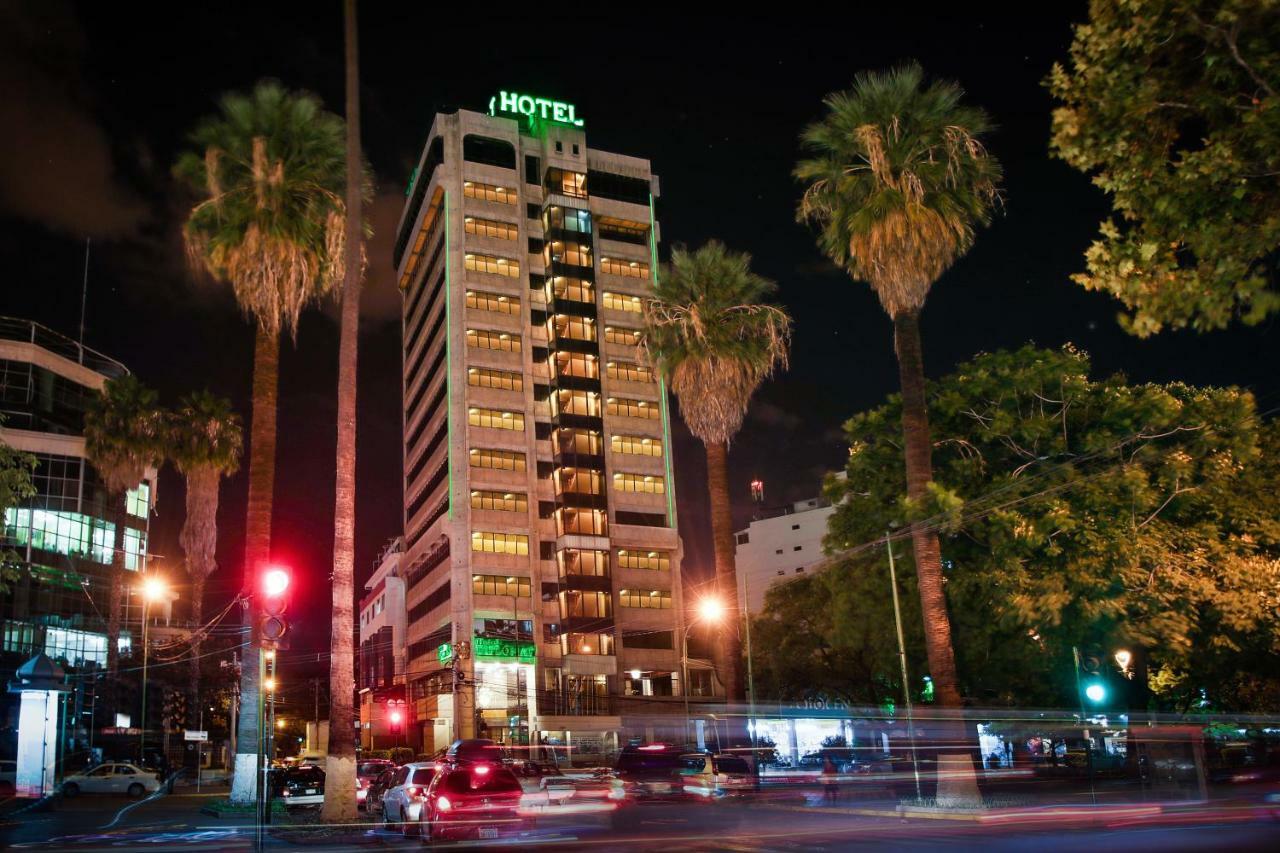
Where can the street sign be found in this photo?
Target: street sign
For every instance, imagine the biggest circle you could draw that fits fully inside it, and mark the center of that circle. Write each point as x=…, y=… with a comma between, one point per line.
x=188, y=734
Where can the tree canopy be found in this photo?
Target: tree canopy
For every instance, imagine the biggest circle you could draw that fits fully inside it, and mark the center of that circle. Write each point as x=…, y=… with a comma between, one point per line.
x=1076, y=511
x=16, y=468
x=1171, y=105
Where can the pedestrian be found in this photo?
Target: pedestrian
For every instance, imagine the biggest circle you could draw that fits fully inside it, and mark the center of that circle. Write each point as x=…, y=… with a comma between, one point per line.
x=830, y=786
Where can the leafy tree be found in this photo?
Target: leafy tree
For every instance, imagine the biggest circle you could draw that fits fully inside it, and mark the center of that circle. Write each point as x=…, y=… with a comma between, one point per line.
x=1080, y=511
x=897, y=184
x=270, y=172
x=15, y=487
x=711, y=336
x=1171, y=105
x=204, y=441
x=124, y=436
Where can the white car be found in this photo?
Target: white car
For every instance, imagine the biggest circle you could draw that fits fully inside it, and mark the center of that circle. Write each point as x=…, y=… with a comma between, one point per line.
x=112, y=779
x=8, y=778
x=402, y=801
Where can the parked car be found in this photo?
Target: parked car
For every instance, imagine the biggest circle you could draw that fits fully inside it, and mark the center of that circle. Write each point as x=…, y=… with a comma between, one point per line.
x=402, y=799
x=473, y=800
x=300, y=786
x=8, y=778
x=112, y=778
x=366, y=772
x=378, y=787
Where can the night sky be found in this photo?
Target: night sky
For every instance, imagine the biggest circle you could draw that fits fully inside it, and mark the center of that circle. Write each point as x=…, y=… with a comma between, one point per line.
x=98, y=98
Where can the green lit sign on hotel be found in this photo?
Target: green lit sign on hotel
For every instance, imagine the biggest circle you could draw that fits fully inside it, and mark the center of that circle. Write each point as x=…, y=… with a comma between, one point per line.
x=492, y=647
x=445, y=653
x=533, y=108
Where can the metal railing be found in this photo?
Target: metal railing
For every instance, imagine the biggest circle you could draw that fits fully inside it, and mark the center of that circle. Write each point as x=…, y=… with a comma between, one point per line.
x=31, y=332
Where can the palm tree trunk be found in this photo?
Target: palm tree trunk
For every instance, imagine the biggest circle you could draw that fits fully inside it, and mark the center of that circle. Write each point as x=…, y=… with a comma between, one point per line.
x=340, y=767
x=730, y=647
x=199, y=540
x=954, y=782
x=257, y=551
x=193, y=666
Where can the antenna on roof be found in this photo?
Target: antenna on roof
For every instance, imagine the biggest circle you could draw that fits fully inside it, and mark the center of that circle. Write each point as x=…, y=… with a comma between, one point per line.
x=84, y=290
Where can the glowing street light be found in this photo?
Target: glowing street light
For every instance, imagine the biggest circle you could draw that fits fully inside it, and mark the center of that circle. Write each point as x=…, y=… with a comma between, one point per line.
x=269, y=684
x=154, y=590
x=711, y=609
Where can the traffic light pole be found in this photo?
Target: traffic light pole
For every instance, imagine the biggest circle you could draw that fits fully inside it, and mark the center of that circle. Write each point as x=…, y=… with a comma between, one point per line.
x=902, y=659
x=1088, y=741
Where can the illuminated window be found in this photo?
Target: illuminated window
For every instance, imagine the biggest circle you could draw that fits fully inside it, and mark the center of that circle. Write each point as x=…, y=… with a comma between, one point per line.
x=574, y=561
x=138, y=500
x=502, y=460
x=580, y=603
x=575, y=403
x=490, y=228
x=628, y=371
x=565, y=327
x=632, y=408
x=575, y=364
x=583, y=441
x=500, y=543
x=502, y=501
x=500, y=585
x=624, y=231
x=485, y=377
x=636, y=445
x=575, y=643
x=622, y=302
x=487, y=339
x=62, y=532
x=653, y=599
x=582, y=481
x=566, y=252
x=495, y=419
x=587, y=522
x=649, y=484
x=135, y=548
x=652, y=560
x=488, y=192
x=565, y=182
x=572, y=289
x=621, y=335
x=567, y=219
x=497, y=302
x=491, y=264
x=624, y=267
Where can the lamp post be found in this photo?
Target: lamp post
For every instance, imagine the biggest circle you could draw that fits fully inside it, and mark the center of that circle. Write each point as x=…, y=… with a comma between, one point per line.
x=153, y=590
x=710, y=610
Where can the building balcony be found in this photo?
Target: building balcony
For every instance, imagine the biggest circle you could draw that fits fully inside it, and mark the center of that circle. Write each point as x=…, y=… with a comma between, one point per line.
x=560, y=703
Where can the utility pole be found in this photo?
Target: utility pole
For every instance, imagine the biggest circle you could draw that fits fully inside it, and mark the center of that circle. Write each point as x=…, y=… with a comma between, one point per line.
x=902, y=658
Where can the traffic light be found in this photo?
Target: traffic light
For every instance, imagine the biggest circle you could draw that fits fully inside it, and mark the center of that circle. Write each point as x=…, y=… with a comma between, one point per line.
x=395, y=715
x=1093, y=682
x=274, y=588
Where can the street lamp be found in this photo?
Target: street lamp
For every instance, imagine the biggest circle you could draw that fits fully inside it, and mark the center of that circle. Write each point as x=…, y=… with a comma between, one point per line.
x=154, y=590
x=710, y=610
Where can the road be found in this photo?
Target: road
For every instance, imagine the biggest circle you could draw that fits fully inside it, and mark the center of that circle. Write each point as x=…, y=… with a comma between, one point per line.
x=174, y=822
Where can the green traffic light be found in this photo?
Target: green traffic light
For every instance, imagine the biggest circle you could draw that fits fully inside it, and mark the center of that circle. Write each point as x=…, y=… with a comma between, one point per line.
x=1095, y=692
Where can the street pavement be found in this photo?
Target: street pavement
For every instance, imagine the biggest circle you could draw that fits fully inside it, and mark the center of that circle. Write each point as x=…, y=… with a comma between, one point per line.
x=174, y=822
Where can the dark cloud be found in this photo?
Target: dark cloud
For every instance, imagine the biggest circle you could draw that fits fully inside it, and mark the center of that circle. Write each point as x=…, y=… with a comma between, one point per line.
x=57, y=166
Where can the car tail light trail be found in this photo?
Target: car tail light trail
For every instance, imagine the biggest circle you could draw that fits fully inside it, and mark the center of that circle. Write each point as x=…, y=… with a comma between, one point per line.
x=443, y=804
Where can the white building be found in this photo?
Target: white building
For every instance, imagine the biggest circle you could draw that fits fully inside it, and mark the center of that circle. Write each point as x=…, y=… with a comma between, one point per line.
x=381, y=674
x=785, y=543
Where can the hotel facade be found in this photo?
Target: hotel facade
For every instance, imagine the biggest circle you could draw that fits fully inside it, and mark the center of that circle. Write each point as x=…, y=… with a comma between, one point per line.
x=541, y=559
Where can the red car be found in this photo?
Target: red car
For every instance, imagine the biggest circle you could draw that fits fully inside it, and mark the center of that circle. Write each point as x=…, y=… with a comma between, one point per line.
x=473, y=801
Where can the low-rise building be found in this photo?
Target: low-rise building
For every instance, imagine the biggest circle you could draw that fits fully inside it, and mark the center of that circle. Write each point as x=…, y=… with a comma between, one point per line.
x=780, y=544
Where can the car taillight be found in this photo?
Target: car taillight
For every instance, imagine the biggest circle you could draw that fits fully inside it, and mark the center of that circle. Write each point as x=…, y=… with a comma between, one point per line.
x=443, y=804
x=413, y=792
x=285, y=793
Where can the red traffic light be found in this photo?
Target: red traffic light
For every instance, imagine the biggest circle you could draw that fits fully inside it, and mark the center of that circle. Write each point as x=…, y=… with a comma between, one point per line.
x=396, y=718
x=275, y=582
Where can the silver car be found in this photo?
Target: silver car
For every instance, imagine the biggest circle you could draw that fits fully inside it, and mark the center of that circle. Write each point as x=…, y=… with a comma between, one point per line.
x=112, y=779
x=402, y=800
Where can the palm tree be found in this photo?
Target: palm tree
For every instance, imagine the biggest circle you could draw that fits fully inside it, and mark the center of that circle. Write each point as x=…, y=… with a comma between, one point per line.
x=710, y=336
x=340, y=765
x=204, y=439
x=123, y=429
x=897, y=183
x=271, y=221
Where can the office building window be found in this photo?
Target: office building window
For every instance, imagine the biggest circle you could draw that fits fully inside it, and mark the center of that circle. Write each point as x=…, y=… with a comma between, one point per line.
x=633, y=408
x=584, y=441
x=501, y=585
x=622, y=302
x=575, y=403
x=503, y=501
x=567, y=219
x=649, y=484
x=628, y=371
x=652, y=560
x=495, y=418
x=573, y=289
x=575, y=364
x=653, y=599
x=565, y=182
x=499, y=303
x=500, y=543
x=486, y=377
x=566, y=252
x=621, y=335
x=574, y=561
x=582, y=481
x=490, y=228
x=636, y=445
x=491, y=264
x=565, y=327
x=586, y=522
x=488, y=192
x=624, y=267
x=487, y=339
x=138, y=501
x=580, y=603
x=502, y=460
x=575, y=643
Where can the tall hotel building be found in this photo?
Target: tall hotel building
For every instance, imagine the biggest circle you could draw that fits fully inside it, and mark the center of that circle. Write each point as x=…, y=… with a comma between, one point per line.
x=541, y=557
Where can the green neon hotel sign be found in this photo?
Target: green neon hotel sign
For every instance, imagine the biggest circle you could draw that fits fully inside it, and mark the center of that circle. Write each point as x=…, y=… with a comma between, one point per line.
x=534, y=108
x=493, y=648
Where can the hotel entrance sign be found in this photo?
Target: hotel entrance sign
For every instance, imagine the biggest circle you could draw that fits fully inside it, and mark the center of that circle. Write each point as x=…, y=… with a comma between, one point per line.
x=533, y=108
